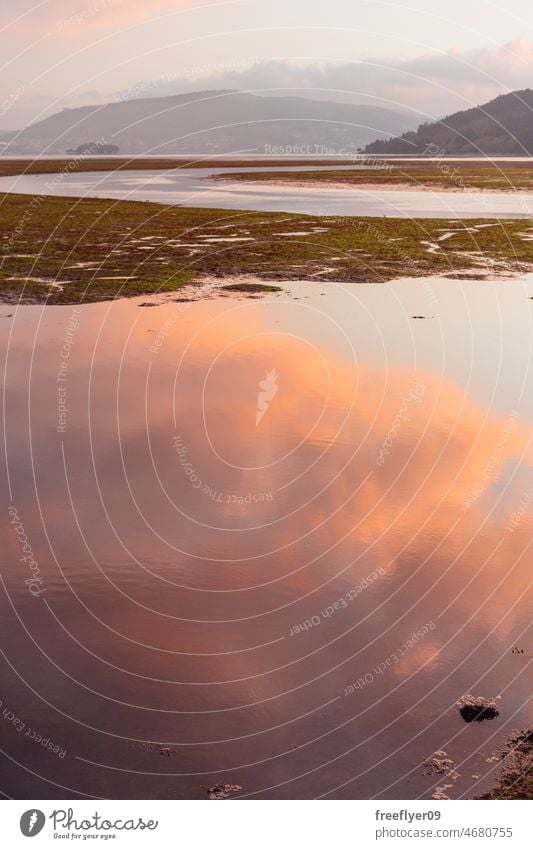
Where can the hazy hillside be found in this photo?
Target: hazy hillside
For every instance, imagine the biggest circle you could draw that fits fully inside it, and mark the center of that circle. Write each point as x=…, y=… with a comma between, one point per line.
x=212, y=122
x=502, y=126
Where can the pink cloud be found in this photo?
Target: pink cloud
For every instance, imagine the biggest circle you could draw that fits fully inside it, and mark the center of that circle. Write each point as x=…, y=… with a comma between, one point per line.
x=108, y=14
x=66, y=17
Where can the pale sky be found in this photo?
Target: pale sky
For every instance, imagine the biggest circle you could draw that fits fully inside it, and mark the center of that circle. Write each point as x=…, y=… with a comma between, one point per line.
x=57, y=53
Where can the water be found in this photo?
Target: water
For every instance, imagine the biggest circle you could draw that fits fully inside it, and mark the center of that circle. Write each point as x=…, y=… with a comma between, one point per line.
x=192, y=187
x=240, y=512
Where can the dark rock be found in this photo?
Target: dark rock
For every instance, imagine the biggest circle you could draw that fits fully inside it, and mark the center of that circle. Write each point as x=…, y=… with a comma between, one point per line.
x=476, y=708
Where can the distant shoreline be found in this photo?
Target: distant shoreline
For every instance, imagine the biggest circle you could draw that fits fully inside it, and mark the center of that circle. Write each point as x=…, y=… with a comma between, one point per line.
x=444, y=176
x=76, y=164
x=287, y=182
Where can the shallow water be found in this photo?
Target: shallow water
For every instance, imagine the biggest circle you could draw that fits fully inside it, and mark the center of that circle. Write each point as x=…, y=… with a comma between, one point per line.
x=190, y=187
x=240, y=515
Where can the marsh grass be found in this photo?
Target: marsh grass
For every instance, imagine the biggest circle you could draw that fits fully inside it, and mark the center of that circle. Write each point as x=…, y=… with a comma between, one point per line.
x=64, y=250
x=445, y=176
x=516, y=773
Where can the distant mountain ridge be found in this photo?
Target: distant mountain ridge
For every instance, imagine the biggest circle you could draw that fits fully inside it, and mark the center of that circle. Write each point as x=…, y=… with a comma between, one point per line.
x=214, y=122
x=503, y=126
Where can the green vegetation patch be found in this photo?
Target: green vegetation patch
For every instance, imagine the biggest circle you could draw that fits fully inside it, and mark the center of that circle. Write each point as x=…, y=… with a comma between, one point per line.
x=65, y=250
x=443, y=176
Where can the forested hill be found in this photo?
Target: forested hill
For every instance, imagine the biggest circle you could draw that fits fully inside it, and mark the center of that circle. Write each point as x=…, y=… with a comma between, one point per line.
x=504, y=126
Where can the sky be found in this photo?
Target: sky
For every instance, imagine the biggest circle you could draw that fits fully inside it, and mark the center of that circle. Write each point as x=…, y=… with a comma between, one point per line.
x=421, y=55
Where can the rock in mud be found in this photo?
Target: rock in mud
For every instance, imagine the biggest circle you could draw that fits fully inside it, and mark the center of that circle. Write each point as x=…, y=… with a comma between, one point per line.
x=221, y=791
x=440, y=792
x=440, y=764
x=476, y=708
x=166, y=751
x=148, y=746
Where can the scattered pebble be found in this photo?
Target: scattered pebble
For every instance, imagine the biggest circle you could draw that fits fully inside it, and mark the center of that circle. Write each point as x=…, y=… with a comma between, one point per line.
x=221, y=791
x=440, y=764
x=164, y=751
x=518, y=650
x=440, y=792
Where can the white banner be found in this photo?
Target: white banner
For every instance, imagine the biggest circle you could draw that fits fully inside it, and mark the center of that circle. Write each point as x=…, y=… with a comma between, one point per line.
x=267, y=824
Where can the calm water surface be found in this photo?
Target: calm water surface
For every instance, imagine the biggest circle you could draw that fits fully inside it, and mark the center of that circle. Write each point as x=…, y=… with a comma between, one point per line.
x=273, y=536
x=191, y=187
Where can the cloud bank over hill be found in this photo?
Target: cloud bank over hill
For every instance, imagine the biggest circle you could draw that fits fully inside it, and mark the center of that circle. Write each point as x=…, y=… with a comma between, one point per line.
x=434, y=84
